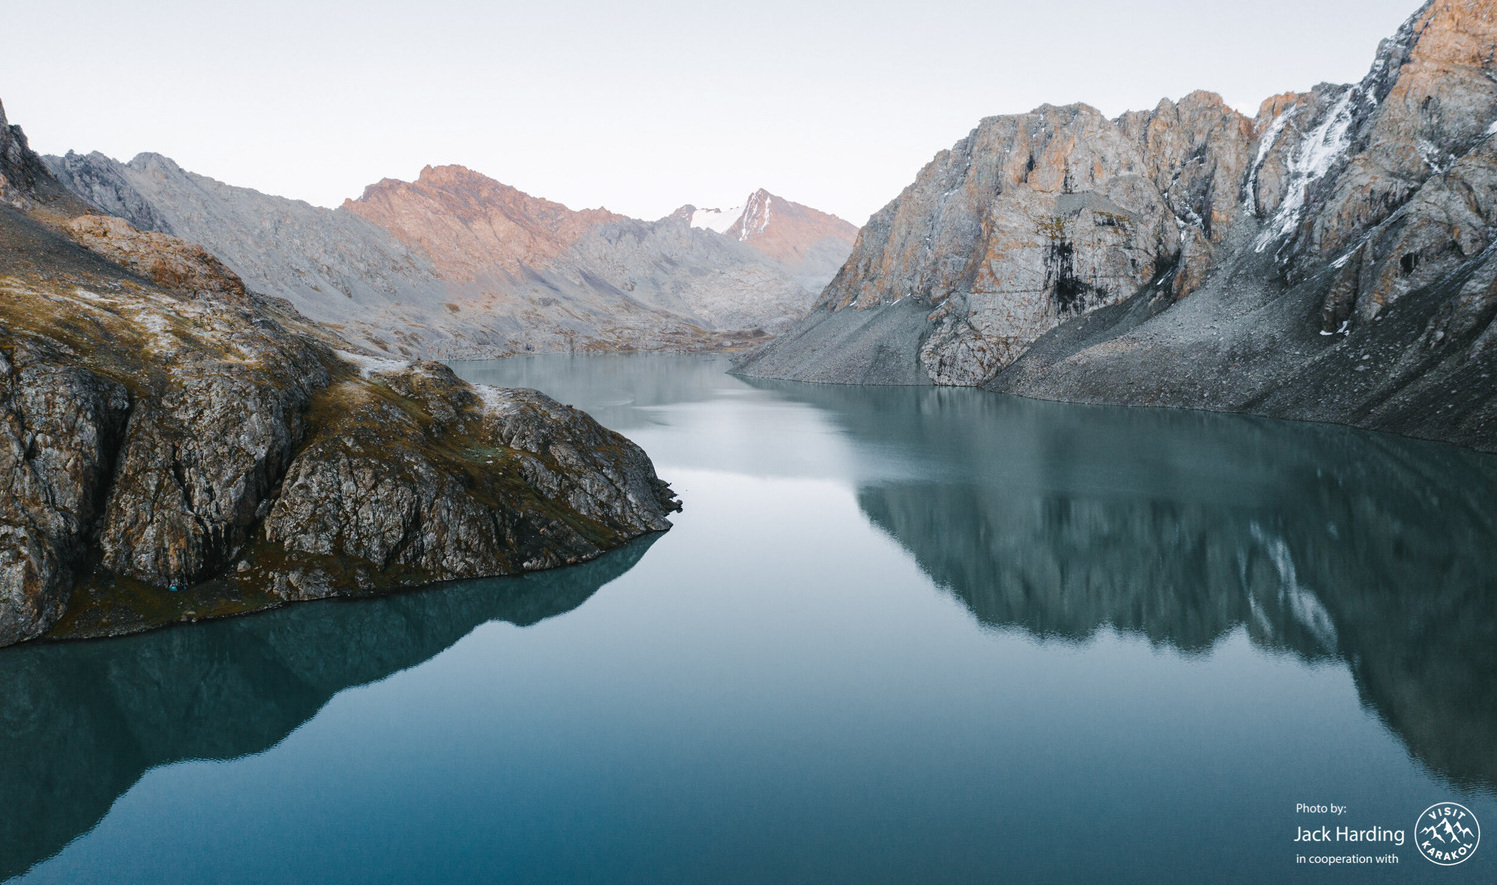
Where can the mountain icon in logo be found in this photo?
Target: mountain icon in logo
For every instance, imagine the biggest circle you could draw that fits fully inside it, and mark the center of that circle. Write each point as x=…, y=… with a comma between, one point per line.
x=1448, y=834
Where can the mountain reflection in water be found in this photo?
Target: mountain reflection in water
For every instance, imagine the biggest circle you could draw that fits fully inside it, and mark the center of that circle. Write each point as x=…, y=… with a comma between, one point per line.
x=1179, y=526
x=84, y=720
x=891, y=628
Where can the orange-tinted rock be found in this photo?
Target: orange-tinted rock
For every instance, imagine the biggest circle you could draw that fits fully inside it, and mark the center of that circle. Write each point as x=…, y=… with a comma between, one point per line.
x=787, y=231
x=171, y=263
x=470, y=224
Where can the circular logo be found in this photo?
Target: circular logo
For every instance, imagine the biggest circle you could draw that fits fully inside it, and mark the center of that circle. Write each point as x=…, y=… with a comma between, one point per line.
x=1447, y=833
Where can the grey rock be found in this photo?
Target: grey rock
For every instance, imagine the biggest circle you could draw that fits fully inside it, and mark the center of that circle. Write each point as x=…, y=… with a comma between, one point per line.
x=25, y=183
x=463, y=485
x=874, y=345
x=59, y=427
x=1326, y=261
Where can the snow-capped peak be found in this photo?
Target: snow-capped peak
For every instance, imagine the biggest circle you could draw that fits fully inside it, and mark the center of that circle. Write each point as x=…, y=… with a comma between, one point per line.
x=720, y=220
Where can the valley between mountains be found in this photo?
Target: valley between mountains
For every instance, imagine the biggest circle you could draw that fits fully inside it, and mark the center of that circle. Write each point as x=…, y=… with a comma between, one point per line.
x=214, y=400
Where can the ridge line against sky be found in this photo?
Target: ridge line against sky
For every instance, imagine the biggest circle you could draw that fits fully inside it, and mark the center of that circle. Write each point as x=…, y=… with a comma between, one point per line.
x=639, y=108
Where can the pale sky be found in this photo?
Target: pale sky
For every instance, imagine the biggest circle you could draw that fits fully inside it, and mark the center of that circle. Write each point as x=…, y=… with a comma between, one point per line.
x=638, y=106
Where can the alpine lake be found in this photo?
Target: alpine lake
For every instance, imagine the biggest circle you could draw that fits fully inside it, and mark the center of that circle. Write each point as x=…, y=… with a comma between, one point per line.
x=897, y=635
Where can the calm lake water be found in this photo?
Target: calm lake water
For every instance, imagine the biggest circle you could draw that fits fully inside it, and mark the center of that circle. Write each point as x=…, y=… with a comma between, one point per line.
x=897, y=635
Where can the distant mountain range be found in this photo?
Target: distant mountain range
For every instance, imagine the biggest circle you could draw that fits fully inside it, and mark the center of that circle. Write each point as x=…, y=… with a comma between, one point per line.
x=458, y=265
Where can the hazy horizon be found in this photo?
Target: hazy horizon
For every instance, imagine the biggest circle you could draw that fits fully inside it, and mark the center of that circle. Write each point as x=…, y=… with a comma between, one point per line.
x=637, y=108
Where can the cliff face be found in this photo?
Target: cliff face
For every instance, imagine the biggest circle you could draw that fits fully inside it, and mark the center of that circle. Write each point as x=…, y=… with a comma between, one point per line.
x=1328, y=260
x=457, y=265
x=176, y=447
x=25, y=183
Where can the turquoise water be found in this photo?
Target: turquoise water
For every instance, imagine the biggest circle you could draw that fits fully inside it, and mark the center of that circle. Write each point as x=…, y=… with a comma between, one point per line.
x=902, y=635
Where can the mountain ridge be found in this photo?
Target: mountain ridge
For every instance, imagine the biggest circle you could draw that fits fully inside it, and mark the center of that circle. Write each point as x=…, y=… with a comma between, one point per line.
x=468, y=223
x=456, y=265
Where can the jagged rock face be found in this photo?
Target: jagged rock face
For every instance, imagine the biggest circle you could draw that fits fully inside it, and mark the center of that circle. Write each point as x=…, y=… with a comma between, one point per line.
x=1038, y=218
x=1394, y=169
x=60, y=427
x=383, y=489
x=170, y=441
x=203, y=454
x=16, y=176
x=111, y=188
x=26, y=184
x=1327, y=261
x=183, y=411
x=469, y=267
x=24, y=181
x=470, y=224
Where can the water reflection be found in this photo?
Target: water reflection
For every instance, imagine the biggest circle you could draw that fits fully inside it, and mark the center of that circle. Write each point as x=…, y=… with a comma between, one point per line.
x=872, y=725
x=1181, y=527
x=84, y=720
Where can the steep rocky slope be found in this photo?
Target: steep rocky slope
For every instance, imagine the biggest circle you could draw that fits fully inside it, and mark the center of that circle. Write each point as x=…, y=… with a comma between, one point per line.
x=1329, y=260
x=457, y=265
x=25, y=182
x=176, y=447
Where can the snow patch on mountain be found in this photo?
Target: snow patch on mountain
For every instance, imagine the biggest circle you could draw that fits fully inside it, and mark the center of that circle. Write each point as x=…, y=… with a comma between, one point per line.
x=720, y=220
x=1316, y=154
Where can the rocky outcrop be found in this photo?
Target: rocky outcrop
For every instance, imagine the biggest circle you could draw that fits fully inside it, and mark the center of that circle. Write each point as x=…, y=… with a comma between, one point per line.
x=420, y=474
x=167, y=261
x=176, y=447
x=1036, y=219
x=1324, y=261
x=61, y=426
x=457, y=265
x=25, y=183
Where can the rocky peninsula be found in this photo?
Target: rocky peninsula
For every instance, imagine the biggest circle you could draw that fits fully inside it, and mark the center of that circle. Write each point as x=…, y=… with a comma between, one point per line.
x=177, y=447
